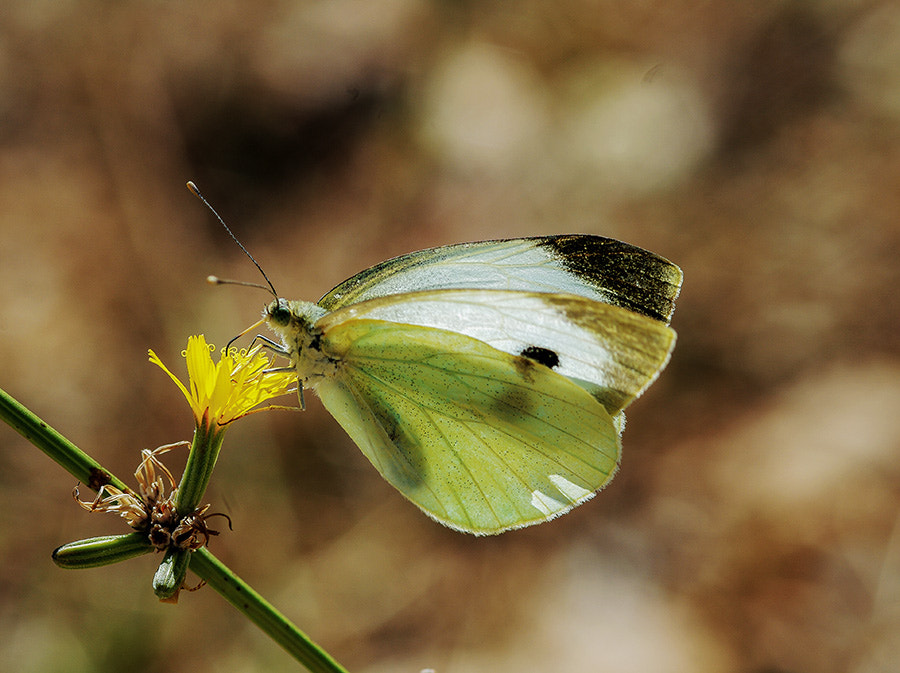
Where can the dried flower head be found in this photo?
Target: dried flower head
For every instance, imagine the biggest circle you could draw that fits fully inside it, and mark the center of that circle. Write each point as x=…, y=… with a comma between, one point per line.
x=151, y=510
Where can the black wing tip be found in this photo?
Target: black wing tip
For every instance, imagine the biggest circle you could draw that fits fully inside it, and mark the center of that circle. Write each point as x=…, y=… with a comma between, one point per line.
x=636, y=279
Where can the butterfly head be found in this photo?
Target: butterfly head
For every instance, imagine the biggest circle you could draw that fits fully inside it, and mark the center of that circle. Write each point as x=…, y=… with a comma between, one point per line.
x=291, y=317
x=278, y=313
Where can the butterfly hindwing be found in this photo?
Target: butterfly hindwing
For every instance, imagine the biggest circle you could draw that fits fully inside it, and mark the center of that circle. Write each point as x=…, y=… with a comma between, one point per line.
x=480, y=439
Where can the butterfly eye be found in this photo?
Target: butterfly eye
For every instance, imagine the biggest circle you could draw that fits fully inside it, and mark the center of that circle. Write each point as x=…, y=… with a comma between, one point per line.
x=278, y=312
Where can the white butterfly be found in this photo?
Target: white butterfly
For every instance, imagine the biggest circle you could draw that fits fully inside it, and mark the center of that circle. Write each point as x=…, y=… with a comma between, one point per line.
x=487, y=381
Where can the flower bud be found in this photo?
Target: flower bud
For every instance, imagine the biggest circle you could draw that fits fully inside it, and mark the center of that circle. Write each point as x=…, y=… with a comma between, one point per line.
x=101, y=551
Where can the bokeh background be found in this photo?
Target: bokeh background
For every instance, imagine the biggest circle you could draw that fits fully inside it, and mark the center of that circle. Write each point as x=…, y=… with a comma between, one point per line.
x=755, y=524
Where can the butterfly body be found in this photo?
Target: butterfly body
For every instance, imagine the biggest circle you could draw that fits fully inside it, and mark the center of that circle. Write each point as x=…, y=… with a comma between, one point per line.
x=294, y=322
x=487, y=381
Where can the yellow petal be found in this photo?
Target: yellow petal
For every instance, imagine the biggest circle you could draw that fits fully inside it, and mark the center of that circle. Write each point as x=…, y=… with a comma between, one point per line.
x=154, y=358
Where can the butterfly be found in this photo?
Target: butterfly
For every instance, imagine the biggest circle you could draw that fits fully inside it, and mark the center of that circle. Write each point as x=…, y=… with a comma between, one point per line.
x=487, y=381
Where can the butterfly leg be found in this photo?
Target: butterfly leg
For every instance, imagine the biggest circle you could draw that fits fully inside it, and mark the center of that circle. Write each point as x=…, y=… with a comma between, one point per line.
x=266, y=343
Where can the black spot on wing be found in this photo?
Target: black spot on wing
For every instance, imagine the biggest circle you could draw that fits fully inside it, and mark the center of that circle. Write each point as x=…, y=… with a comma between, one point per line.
x=543, y=356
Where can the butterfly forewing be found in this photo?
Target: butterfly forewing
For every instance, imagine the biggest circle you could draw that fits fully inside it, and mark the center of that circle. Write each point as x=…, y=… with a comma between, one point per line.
x=480, y=439
x=598, y=268
x=612, y=352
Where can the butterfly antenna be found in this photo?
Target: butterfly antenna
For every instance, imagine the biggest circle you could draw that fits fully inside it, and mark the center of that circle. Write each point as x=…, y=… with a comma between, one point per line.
x=196, y=192
x=215, y=280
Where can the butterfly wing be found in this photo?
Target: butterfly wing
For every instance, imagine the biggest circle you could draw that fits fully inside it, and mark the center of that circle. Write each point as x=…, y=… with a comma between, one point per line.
x=481, y=440
x=611, y=352
x=594, y=267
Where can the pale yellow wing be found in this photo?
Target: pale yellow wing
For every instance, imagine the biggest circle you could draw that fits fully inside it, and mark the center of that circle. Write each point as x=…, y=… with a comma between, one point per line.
x=480, y=439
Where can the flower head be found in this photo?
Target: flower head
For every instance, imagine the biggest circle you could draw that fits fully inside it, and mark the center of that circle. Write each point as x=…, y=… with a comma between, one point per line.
x=224, y=391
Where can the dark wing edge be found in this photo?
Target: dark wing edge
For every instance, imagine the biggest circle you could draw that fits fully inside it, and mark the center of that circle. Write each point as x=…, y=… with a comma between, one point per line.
x=634, y=278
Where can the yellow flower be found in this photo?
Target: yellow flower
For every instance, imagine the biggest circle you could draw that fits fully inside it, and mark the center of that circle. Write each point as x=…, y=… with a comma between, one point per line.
x=224, y=391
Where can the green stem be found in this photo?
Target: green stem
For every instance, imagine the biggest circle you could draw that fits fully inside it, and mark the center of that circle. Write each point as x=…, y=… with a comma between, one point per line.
x=262, y=613
x=200, y=463
x=72, y=459
x=202, y=562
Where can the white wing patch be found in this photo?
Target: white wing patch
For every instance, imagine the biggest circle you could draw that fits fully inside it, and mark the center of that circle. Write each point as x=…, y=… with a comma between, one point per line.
x=550, y=506
x=573, y=492
x=545, y=504
x=503, y=265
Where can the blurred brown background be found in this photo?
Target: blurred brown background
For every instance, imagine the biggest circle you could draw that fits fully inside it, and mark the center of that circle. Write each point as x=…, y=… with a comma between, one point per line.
x=754, y=524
